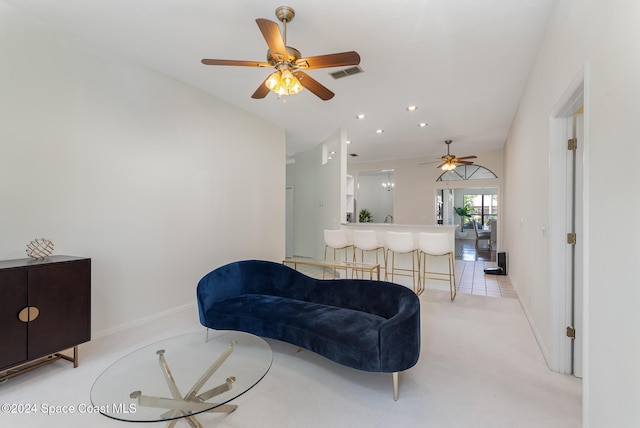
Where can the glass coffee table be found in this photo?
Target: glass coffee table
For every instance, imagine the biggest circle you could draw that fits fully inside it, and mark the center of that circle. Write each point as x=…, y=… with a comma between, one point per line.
x=182, y=376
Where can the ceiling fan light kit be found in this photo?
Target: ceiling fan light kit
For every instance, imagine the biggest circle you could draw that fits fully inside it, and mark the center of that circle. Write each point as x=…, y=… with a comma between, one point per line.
x=448, y=166
x=283, y=83
x=289, y=77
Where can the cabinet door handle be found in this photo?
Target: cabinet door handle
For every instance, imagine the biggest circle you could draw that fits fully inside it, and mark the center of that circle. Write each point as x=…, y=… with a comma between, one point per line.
x=28, y=313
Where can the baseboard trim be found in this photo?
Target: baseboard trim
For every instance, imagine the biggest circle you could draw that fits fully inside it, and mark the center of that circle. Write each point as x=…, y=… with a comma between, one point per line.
x=142, y=321
x=541, y=345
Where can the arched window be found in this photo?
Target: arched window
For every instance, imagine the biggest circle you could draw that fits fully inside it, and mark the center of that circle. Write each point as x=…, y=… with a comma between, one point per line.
x=467, y=172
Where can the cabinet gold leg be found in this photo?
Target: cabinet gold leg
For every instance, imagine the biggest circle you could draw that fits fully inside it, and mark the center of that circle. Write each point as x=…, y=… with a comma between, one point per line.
x=19, y=369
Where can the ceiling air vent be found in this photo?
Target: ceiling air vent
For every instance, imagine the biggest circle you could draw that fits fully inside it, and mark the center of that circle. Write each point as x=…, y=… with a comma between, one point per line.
x=346, y=72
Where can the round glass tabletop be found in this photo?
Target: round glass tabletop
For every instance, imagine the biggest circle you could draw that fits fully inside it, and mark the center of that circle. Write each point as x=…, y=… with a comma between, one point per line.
x=182, y=376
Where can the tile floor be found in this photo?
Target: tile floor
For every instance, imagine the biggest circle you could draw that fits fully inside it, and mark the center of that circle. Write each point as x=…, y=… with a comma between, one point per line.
x=465, y=249
x=471, y=279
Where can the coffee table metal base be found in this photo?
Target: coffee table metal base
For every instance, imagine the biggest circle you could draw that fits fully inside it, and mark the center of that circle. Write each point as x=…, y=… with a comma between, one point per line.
x=192, y=401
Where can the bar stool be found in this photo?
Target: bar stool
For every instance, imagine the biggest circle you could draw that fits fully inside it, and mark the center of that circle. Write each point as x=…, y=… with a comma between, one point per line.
x=366, y=240
x=402, y=243
x=336, y=239
x=434, y=245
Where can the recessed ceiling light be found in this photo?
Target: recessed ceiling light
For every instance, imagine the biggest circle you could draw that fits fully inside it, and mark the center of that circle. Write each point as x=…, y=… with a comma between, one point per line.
x=360, y=116
x=332, y=153
x=379, y=131
x=422, y=124
x=412, y=108
x=348, y=141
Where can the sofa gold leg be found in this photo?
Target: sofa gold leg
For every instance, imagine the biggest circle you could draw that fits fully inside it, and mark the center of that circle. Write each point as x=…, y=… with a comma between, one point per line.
x=395, y=386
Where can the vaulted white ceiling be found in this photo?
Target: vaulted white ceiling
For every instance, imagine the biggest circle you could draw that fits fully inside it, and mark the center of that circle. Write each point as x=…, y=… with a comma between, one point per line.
x=464, y=63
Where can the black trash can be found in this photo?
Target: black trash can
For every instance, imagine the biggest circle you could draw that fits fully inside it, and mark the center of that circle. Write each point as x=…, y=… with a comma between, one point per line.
x=502, y=265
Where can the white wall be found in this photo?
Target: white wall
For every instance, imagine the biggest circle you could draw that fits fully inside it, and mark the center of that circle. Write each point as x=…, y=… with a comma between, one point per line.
x=318, y=194
x=415, y=184
x=601, y=39
x=155, y=181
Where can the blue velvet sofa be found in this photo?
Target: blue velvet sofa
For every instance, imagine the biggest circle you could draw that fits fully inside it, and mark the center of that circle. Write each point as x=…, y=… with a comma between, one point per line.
x=367, y=325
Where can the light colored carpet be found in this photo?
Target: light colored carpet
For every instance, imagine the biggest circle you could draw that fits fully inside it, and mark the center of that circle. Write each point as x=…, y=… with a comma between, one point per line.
x=480, y=367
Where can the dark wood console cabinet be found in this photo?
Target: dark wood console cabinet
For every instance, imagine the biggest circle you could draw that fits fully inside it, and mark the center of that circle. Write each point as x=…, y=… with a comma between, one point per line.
x=45, y=308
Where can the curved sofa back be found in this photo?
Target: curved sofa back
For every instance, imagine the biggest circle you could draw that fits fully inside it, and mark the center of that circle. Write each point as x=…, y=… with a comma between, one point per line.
x=275, y=279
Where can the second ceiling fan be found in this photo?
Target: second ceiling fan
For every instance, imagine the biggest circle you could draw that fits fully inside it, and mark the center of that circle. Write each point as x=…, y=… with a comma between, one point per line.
x=289, y=77
x=449, y=162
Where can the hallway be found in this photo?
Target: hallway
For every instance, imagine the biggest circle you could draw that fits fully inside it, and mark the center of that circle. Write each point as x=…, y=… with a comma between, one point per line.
x=470, y=276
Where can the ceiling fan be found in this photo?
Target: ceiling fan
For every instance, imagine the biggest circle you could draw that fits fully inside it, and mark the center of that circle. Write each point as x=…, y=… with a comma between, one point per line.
x=449, y=162
x=289, y=77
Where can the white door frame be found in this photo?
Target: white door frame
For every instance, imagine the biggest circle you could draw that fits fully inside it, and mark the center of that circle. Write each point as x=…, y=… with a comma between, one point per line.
x=560, y=359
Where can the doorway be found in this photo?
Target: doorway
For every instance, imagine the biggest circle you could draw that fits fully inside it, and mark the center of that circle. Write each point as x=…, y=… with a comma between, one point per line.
x=481, y=204
x=567, y=234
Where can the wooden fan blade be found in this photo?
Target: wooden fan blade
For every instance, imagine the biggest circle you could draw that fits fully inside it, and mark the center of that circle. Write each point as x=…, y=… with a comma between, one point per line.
x=331, y=60
x=463, y=162
x=272, y=35
x=468, y=157
x=262, y=91
x=235, y=62
x=431, y=162
x=314, y=86
x=440, y=166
